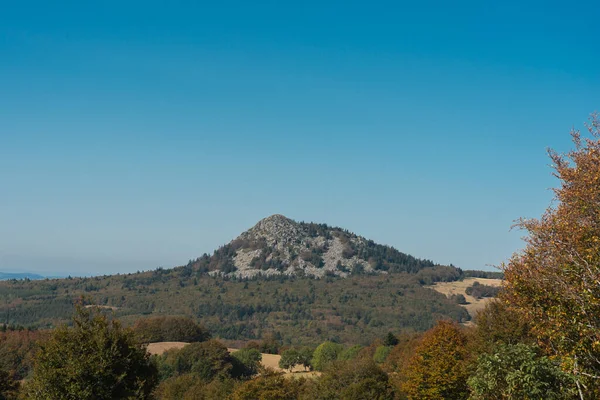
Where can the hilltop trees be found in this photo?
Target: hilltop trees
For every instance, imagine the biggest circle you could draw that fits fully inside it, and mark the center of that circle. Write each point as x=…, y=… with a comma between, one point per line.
x=555, y=281
x=95, y=359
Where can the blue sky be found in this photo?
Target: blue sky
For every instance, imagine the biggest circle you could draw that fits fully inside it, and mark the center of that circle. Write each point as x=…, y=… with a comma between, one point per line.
x=142, y=134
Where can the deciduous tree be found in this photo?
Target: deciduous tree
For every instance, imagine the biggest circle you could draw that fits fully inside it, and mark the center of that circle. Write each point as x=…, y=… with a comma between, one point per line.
x=555, y=281
x=438, y=369
x=95, y=359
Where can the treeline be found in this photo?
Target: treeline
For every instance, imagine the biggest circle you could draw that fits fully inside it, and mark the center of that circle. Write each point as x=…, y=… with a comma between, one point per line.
x=96, y=358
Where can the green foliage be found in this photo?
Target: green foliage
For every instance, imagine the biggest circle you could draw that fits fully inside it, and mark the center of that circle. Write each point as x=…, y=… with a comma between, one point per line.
x=169, y=329
x=191, y=387
x=289, y=359
x=350, y=353
x=499, y=323
x=17, y=348
x=207, y=360
x=298, y=311
x=438, y=369
x=249, y=359
x=390, y=340
x=518, y=372
x=381, y=354
x=554, y=282
x=479, y=291
x=459, y=298
x=325, y=354
x=8, y=386
x=95, y=359
x=270, y=386
x=352, y=380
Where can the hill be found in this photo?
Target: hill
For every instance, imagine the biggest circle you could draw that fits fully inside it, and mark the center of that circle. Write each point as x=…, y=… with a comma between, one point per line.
x=309, y=282
x=19, y=275
x=280, y=246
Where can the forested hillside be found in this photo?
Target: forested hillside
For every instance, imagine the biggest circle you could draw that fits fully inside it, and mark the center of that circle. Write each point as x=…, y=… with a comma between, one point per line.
x=298, y=310
x=302, y=282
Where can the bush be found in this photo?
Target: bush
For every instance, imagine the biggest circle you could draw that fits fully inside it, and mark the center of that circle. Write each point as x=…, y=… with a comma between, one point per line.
x=96, y=359
x=518, y=372
x=479, y=291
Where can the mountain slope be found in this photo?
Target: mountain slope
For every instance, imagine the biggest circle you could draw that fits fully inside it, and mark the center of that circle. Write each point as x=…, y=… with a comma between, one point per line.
x=278, y=245
x=363, y=290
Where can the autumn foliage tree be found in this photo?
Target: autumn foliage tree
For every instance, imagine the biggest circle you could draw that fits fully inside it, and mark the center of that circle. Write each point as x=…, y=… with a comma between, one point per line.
x=555, y=281
x=438, y=369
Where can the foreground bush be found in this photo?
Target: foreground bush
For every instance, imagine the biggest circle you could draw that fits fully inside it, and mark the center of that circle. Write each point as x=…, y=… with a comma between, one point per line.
x=518, y=372
x=96, y=359
x=192, y=387
x=360, y=379
x=270, y=386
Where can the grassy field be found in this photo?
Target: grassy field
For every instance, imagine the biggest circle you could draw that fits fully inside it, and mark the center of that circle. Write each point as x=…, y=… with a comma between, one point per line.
x=459, y=287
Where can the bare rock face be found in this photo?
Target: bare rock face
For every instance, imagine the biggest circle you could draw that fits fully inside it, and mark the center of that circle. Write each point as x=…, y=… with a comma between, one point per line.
x=278, y=245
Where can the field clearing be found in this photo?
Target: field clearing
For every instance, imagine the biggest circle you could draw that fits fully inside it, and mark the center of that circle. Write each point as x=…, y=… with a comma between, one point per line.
x=268, y=360
x=459, y=287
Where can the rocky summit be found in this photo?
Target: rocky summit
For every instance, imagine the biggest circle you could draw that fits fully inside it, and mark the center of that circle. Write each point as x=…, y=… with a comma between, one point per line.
x=278, y=245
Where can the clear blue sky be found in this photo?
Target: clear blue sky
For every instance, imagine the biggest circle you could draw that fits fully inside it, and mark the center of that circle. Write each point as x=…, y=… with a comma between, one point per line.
x=142, y=134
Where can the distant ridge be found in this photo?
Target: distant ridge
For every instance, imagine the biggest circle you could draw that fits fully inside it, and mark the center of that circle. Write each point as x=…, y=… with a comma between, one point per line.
x=4, y=276
x=278, y=245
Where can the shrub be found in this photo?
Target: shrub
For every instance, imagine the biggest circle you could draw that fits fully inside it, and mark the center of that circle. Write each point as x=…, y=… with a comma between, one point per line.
x=95, y=359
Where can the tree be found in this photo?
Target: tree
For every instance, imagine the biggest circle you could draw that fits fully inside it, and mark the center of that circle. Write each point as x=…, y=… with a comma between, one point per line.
x=8, y=386
x=350, y=353
x=289, y=359
x=499, y=323
x=518, y=372
x=390, y=340
x=353, y=380
x=169, y=329
x=249, y=359
x=192, y=387
x=208, y=360
x=438, y=369
x=555, y=281
x=94, y=359
x=305, y=357
x=270, y=386
x=324, y=354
